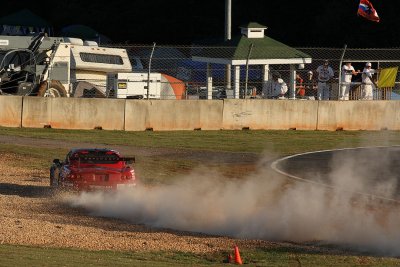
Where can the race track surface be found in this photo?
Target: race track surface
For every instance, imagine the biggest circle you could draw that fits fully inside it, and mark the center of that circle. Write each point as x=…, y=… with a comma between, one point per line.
x=372, y=165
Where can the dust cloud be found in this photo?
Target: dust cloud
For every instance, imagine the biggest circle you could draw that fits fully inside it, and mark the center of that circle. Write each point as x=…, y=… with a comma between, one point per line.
x=270, y=207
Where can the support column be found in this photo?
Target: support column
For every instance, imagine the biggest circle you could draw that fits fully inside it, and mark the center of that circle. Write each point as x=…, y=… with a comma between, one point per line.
x=237, y=81
x=265, y=73
x=292, y=85
x=228, y=77
x=209, y=81
x=265, y=90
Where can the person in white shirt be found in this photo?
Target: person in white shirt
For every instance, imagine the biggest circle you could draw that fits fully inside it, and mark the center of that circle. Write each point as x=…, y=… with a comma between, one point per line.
x=276, y=88
x=325, y=74
x=347, y=72
x=368, y=84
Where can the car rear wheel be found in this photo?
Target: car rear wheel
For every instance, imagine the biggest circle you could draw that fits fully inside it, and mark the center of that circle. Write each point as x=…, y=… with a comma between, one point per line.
x=54, y=176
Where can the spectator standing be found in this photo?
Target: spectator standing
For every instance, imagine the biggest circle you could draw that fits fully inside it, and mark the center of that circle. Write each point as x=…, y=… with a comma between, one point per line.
x=300, y=89
x=367, y=84
x=276, y=88
x=325, y=74
x=347, y=73
x=311, y=86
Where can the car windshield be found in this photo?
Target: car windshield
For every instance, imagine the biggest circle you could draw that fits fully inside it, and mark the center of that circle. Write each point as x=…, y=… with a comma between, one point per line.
x=95, y=157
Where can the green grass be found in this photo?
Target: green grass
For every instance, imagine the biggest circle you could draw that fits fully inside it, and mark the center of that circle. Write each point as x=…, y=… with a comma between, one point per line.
x=282, y=142
x=16, y=255
x=276, y=143
x=279, y=143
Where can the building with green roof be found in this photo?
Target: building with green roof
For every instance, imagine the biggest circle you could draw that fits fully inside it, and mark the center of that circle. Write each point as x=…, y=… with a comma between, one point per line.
x=252, y=47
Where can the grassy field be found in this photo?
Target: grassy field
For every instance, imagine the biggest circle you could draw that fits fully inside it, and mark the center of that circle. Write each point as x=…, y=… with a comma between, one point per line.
x=12, y=255
x=276, y=143
x=279, y=143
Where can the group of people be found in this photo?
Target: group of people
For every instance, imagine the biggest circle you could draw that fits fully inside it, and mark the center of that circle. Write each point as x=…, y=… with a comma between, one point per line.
x=325, y=75
x=320, y=87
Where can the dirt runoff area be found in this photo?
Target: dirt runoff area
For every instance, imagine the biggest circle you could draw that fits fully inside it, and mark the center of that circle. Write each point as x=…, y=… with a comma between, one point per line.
x=33, y=214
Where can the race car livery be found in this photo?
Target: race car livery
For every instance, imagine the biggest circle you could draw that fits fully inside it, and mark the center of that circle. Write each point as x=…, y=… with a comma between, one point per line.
x=92, y=169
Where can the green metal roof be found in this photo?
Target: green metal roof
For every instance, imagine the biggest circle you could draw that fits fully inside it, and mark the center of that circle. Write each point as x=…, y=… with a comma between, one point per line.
x=254, y=25
x=262, y=48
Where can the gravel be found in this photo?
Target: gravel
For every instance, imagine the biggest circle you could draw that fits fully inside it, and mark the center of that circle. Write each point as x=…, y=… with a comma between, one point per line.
x=32, y=214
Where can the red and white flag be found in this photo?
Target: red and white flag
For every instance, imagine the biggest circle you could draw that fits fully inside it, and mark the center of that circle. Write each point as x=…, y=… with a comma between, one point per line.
x=366, y=10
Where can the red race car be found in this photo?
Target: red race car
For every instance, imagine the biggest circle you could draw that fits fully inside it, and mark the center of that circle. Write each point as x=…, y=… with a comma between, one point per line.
x=91, y=169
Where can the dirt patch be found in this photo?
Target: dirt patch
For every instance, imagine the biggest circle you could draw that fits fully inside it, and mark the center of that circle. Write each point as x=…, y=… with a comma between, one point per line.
x=33, y=214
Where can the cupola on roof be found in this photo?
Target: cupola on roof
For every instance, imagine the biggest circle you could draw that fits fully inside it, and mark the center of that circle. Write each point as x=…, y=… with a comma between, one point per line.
x=253, y=30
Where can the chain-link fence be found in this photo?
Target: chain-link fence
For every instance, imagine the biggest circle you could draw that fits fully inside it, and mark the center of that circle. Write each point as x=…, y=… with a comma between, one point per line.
x=178, y=62
x=210, y=72
x=174, y=72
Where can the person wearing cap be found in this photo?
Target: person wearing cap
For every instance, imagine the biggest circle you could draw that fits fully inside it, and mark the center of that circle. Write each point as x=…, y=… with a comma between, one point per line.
x=347, y=73
x=325, y=75
x=311, y=86
x=367, y=82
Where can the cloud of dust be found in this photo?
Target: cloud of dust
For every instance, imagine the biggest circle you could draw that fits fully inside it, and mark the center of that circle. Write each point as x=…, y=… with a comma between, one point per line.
x=265, y=206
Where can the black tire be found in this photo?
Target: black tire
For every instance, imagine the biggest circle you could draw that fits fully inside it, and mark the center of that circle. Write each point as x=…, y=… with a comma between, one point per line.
x=54, y=89
x=54, y=176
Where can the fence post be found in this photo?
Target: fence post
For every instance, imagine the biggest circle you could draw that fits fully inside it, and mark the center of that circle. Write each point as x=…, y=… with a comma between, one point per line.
x=340, y=71
x=247, y=71
x=149, y=70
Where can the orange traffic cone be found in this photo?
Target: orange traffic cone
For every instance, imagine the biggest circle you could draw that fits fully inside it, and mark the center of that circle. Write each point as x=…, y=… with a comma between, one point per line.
x=238, y=260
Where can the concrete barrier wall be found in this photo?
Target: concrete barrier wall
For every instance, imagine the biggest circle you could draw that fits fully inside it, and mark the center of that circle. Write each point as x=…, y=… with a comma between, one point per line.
x=73, y=113
x=10, y=111
x=36, y=112
x=164, y=115
x=359, y=115
x=270, y=114
x=229, y=114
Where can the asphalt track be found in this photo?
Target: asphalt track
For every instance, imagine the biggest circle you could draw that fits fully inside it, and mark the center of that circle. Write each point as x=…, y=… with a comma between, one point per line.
x=372, y=165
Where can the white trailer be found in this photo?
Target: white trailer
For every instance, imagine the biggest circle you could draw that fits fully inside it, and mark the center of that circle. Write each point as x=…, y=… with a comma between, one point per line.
x=134, y=85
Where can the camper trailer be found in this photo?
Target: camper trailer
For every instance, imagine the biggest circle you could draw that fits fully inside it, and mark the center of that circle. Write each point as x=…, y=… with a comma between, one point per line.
x=63, y=67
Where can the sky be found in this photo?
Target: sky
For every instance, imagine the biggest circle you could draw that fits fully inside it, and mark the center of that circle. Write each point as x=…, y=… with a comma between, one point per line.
x=307, y=23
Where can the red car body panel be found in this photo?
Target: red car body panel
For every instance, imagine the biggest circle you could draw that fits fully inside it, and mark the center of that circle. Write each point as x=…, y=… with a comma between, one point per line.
x=92, y=169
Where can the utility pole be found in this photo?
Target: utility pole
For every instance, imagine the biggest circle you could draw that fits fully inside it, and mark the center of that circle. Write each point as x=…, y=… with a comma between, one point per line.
x=228, y=26
x=228, y=19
